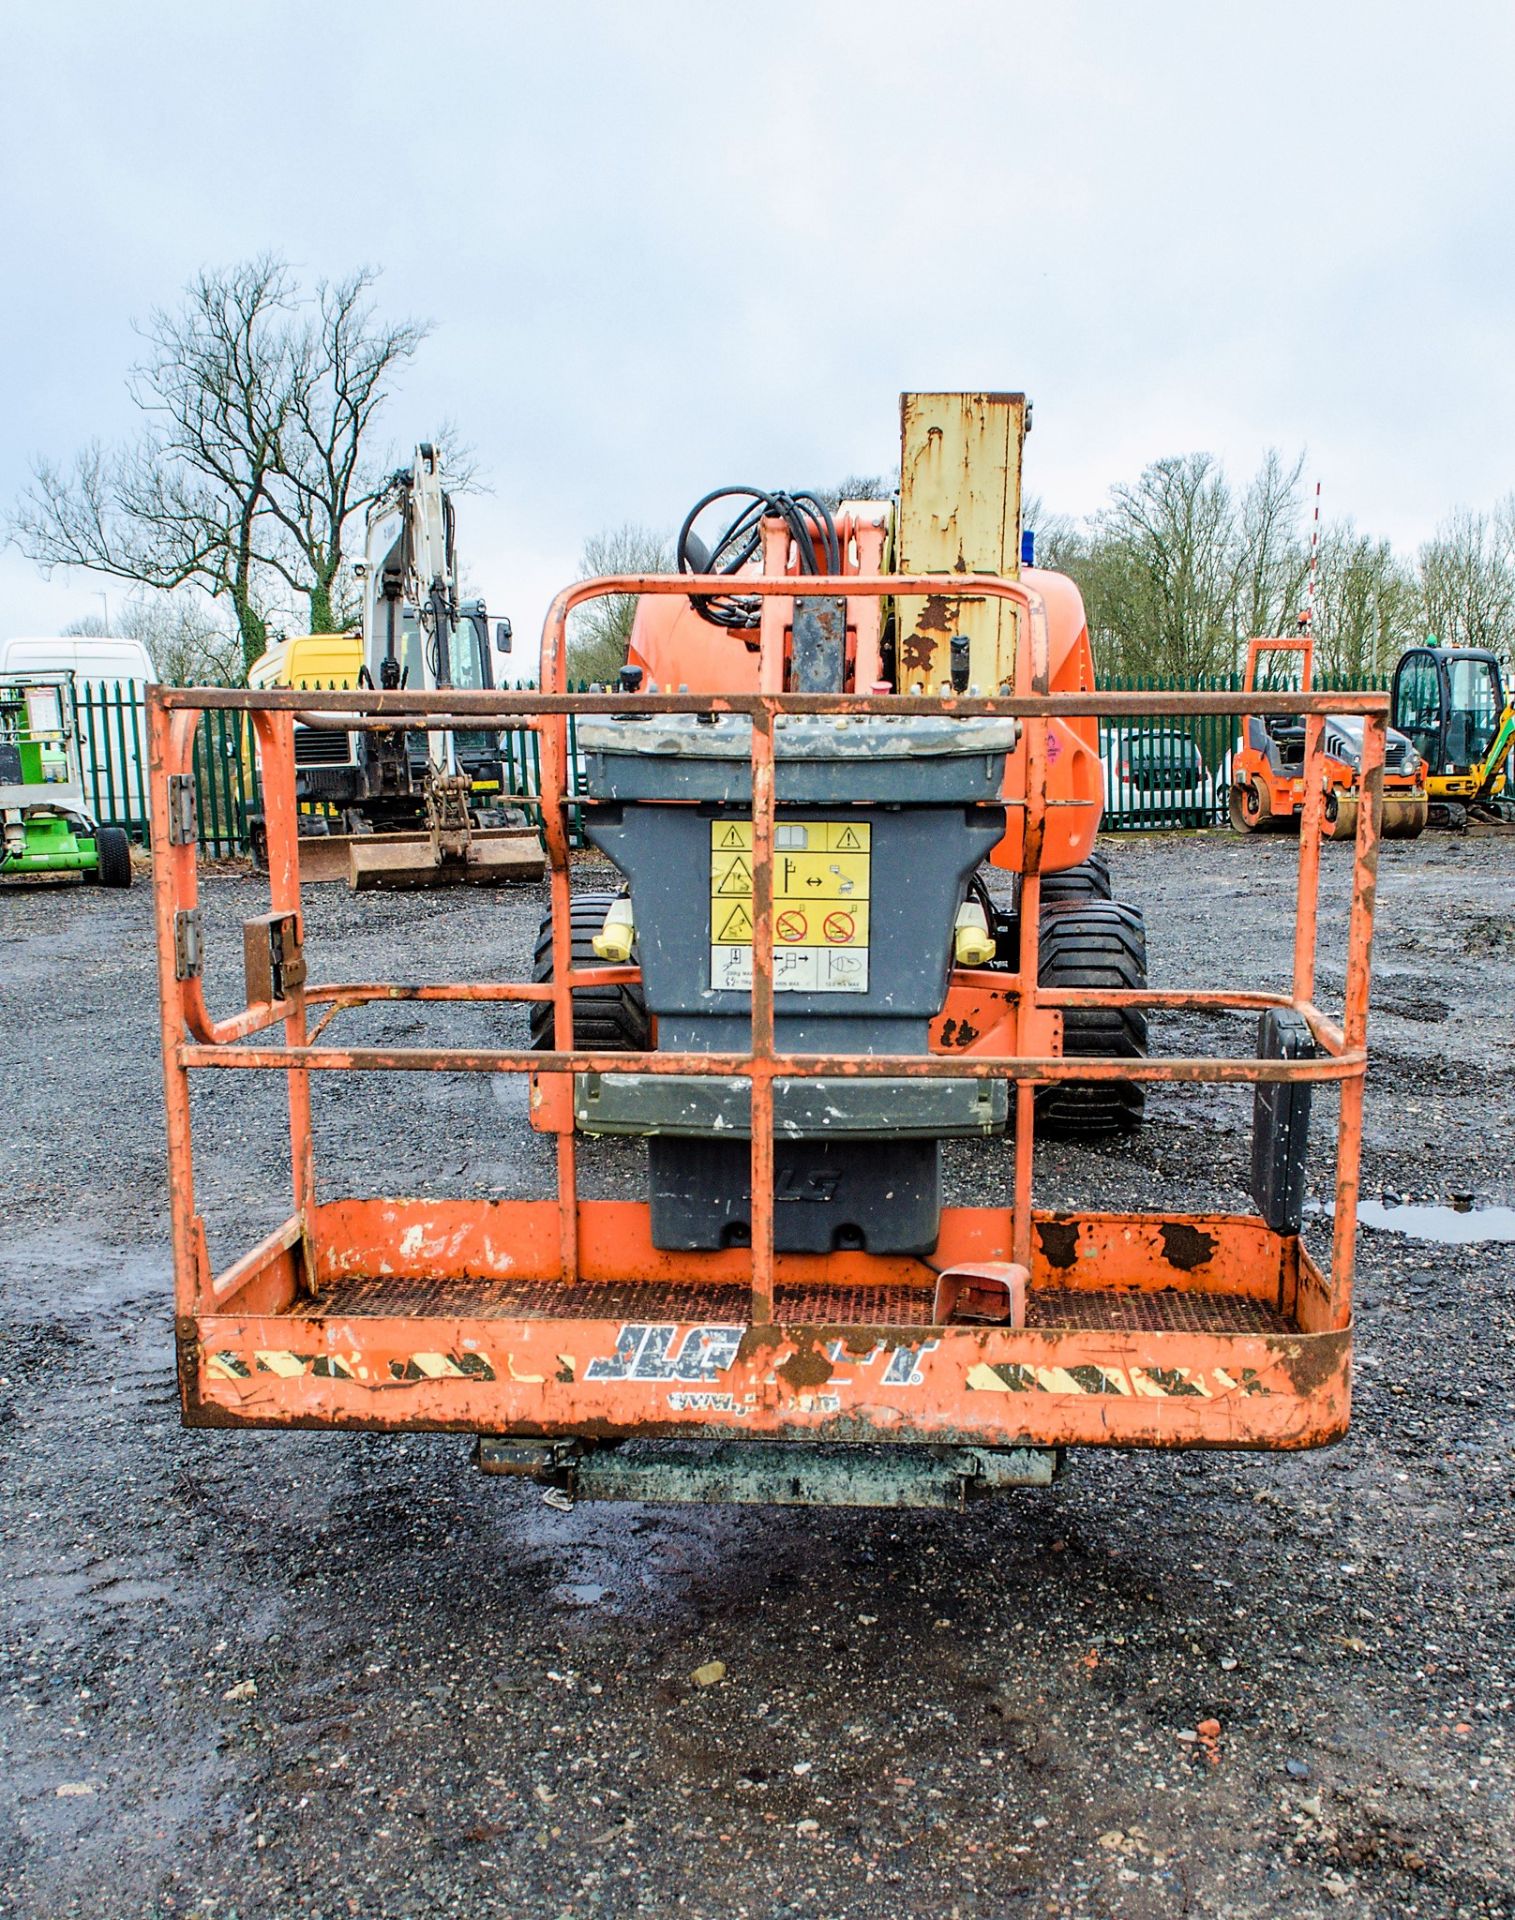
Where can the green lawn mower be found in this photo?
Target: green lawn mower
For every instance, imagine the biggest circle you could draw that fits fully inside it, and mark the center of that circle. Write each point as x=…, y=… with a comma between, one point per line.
x=45, y=824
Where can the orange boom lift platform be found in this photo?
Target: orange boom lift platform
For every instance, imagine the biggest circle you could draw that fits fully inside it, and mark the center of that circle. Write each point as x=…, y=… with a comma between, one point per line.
x=562, y=1330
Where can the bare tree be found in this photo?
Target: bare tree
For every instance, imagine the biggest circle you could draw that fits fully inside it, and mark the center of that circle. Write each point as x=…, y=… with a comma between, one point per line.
x=600, y=631
x=1467, y=578
x=324, y=473
x=1366, y=609
x=1164, y=570
x=1275, y=561
x=857, y=486
x=186, y=643
x=254, y=459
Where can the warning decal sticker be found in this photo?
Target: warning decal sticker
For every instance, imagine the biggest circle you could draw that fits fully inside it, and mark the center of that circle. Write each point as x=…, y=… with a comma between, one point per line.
x=821, y=875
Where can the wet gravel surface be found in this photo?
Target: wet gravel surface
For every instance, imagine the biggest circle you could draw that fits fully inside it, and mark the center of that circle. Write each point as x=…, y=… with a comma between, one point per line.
x=304, y=1674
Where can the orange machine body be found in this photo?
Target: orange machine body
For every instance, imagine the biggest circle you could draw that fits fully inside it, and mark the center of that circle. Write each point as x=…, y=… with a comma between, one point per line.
x=679, y=651
x=559, y=1319
x=1268, y=767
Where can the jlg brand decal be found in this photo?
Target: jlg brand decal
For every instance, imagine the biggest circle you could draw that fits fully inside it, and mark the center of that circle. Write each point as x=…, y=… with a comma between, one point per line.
x=657, y=1352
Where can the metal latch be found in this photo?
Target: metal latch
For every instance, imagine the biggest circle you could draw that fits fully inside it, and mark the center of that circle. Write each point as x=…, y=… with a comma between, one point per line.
x=187, y=947
x=272, y=957
x=183, y=825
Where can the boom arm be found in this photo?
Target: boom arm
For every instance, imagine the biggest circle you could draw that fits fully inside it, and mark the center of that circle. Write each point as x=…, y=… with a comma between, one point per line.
x=1498, y=754
x=410, y=562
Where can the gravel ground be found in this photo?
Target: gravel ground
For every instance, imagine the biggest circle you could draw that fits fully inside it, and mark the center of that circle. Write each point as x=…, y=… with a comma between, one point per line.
x=247, y=1675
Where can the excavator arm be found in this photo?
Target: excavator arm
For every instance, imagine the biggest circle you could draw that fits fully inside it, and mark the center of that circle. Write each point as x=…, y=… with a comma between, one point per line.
x=1496, y=759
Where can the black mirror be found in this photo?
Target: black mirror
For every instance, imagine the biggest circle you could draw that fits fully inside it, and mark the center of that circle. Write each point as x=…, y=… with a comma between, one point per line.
x=502, y=632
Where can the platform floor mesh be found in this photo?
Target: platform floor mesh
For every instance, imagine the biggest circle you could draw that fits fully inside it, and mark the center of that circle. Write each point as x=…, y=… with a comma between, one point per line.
x=1118, y=1311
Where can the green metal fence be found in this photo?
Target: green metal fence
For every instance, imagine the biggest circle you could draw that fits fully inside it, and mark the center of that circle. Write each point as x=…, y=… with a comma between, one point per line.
x=113, y=752
x=1158, y=771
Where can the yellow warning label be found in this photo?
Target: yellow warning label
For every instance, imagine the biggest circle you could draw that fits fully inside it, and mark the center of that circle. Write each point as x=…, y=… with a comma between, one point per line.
x=793, y=925
x=794, y=836
x=730, y=873
x=732, y=924
x=821, y=885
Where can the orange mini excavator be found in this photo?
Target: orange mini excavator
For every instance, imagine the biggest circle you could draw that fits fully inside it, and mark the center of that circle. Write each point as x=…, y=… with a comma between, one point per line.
x=850, y=783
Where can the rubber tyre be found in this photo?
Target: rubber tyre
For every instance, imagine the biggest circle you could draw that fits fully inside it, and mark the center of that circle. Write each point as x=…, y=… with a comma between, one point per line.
x=1091, y=881
x=1094, y=943
x=113, y=858
x=605, y=1019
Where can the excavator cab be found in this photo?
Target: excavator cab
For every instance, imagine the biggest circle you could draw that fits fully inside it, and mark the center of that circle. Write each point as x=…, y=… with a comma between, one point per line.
x=1449, y=700
x=1453, y=704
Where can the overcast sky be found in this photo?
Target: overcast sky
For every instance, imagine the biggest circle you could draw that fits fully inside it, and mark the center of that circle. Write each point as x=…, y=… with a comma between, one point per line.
x=667, y=246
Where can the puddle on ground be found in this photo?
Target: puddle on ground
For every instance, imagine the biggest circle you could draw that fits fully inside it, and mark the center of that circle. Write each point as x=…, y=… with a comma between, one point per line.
x=580, y=1593
x=1451, y=1226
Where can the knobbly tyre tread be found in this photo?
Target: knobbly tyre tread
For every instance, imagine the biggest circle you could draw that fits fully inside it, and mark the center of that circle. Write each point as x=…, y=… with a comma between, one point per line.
x=1088, y=881
x=1094, y=943
x=605, y=1019
x=113, y=858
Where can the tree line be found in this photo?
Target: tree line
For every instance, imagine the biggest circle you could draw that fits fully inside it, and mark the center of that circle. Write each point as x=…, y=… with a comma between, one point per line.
x=1182, y=567
x=244, y=492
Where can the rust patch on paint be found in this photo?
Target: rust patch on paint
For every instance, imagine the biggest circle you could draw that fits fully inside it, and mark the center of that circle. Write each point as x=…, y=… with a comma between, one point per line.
x=1059, y=1241
x=807, y=1366
x=1314, y=1362
x=937, y=615
x=1186, y=1247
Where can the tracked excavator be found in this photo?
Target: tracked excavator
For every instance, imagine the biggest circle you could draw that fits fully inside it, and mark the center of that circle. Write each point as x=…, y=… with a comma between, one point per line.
x=399, y=807
x=1453, y=706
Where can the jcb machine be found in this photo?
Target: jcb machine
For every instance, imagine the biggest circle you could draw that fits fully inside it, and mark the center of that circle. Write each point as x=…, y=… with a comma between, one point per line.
x=414, y=808
x=852, y=782
x=1451, y=704
x=1268, y=765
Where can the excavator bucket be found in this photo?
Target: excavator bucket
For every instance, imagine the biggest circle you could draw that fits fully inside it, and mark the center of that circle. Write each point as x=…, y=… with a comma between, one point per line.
x=371, y=862
x=400, y=862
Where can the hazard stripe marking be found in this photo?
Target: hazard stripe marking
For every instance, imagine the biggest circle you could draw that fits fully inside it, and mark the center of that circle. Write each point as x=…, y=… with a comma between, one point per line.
x=285, y=1365
x=1145, y=1383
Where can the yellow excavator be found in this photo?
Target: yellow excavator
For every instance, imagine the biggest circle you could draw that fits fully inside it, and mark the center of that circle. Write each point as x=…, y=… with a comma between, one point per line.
x=400, y=807
x=1453, y=706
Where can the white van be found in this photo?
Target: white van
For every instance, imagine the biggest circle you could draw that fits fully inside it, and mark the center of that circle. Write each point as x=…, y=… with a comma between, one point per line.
x=84, y=657
x=111, y=677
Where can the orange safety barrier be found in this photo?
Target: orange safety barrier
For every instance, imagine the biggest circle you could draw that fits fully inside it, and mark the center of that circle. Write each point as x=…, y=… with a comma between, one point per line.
x=559, y=1318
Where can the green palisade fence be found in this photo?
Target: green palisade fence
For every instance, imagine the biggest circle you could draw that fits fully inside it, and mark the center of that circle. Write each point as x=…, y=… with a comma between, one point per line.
x=1162, y=771
x=113, y=746
x=1158, y=771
